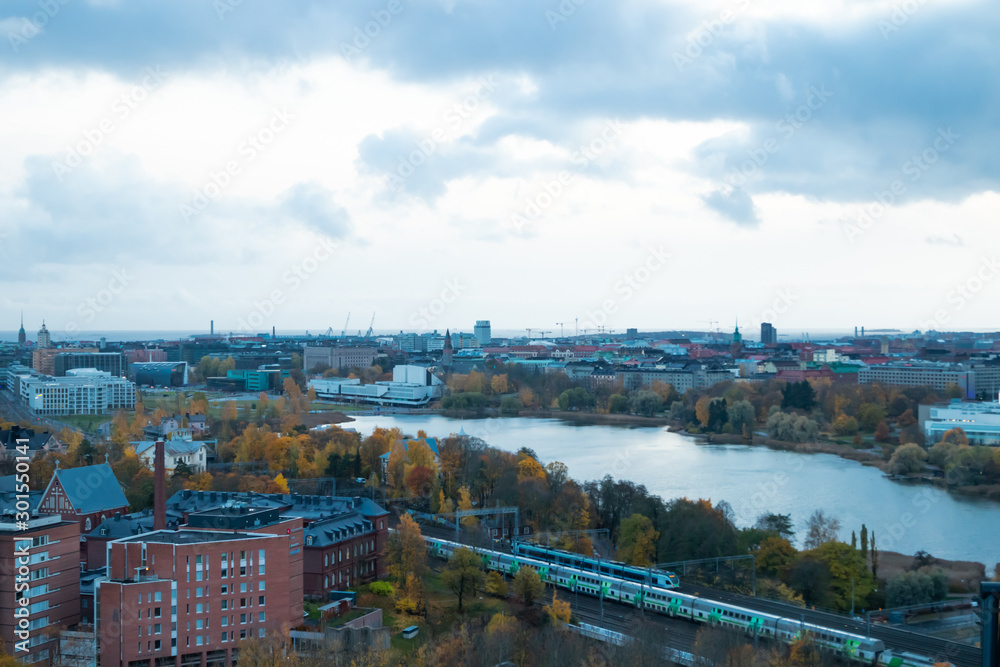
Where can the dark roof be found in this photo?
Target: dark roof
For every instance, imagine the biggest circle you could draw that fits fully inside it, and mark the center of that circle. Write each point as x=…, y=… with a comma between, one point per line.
x=309, y=508
x=92, y=488
x=128, y=525
x=192, y=536
x=8, y=495
x=35, y=440
x=332, y=530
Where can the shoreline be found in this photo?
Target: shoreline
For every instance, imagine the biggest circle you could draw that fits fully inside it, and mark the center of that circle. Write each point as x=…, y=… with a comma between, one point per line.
x=864, y=457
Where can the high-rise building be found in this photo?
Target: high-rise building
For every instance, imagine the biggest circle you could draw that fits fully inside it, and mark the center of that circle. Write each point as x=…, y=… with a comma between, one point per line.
x=483, y=334
x=768, y=334
x=44, y=338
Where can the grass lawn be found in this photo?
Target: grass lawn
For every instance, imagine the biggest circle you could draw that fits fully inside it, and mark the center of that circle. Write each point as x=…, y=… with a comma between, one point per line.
x=83, y=422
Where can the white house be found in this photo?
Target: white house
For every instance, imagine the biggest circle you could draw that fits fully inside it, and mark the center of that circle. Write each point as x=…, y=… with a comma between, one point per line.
x=191, y=452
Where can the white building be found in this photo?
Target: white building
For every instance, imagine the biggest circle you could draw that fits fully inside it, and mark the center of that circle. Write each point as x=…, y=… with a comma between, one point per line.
x=484, y=335
x=191, y=452
x=410, y=386
x=979, y=421
x=84, y=391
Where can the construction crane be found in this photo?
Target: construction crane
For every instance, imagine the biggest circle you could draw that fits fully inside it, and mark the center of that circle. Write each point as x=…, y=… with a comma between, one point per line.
x=529, y=333
x=368, y=334
x=329, y=332
x=344, y=332
x=543, y=333
x=561, y=332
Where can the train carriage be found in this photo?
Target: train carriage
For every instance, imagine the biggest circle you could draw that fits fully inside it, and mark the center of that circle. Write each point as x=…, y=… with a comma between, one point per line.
x=680, y=605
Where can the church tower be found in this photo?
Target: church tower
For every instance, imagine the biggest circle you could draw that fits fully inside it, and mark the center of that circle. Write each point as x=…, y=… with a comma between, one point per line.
x=448, y=352
x=22, y=337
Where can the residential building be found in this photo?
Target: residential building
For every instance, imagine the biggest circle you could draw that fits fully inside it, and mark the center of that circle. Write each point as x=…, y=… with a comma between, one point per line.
x=193, y=453
x=48, y=546
x=341, y=551
x=44, y=337
x=36, y=442
x=189, y=597
x=43, y=359
x=937, y=376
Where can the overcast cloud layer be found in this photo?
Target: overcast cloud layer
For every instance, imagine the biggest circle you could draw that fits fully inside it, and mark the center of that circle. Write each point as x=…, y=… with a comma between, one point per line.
x=442, y=161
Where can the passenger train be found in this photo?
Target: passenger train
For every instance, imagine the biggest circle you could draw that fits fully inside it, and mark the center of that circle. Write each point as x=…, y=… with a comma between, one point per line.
x=672, y=603
x=608, y=567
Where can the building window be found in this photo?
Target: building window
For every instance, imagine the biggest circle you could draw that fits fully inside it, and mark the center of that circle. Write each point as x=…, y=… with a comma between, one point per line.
x=156, y=612
x=260, y=617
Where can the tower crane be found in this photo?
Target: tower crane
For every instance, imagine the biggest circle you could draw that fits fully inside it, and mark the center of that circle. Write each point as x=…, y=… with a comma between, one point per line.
x=368, y=334
x=561, y=333
x=344, y=332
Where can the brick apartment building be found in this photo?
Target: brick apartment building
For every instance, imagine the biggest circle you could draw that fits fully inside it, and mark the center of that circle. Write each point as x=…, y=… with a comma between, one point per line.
x=49, y=549
x=188, y=597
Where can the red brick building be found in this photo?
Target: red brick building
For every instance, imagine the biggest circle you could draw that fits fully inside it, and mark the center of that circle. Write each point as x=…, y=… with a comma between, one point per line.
x=87, y=495
x=221, y=587
x=38, y=561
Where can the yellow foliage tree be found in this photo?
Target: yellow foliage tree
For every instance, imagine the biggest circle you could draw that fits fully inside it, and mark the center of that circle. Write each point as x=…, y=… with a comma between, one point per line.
x=465, y=503
x=229, y=412
x=528, y=398
x=559, y=611
x=701, y=409
x=529, y=468
x=281, y=483
x=498, y=384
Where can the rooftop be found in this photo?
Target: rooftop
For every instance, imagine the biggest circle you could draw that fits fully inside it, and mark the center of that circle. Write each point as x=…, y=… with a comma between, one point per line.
x=191, y=537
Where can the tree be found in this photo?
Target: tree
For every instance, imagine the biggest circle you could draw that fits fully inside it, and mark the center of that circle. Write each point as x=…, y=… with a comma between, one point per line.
x=882, y=432
x=465, y=503
x=864, y=542
x=820, y=530
x=498, y=384
x=701, y=410
x=495, y=585
x=777, y=523
x=419, y=479
x=798, y=395
x=907, y=459
x=644, y=402
x=559, y=611
x=407, y=552
x=528, y=585
x=637, y=541
x=510, y=406
x=463, y=574
x=774, y=556
x=911, y=588
x=742, y=416
x=811, y=578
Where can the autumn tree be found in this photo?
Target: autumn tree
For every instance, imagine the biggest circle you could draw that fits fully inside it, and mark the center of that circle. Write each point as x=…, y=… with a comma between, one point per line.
x=463, y=574
x=907, y=459
x=465, y=503
x=821, y=529
x=637, y=540
x=528, y=585
x=559, y=611
x=229, y=411
x=498, y=384
x=495, y=585
x=407, y=551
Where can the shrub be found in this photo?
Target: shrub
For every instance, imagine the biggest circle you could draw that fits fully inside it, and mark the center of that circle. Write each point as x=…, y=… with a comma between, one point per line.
x=382, y=588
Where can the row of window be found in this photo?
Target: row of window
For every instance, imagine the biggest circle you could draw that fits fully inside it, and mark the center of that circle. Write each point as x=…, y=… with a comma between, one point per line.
x=338, y=556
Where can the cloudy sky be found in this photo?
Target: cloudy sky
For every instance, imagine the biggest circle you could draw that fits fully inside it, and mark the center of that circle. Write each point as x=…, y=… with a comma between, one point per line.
x=646, y=163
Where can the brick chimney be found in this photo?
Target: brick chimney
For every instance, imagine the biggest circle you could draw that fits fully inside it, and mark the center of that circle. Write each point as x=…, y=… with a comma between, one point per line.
x=159, y=488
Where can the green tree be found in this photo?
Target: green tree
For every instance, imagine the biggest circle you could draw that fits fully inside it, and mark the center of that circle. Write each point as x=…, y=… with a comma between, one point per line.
x=742, y=416
x=774, y=556
x=907, y=459
x=645, y=402
x=463, y=574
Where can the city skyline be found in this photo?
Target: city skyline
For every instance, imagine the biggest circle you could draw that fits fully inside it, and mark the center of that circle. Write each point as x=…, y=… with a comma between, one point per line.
x=198, y=171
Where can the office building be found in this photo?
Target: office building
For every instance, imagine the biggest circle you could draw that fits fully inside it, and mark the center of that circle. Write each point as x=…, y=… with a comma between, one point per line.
x=339, y=358
x=937, y=376
x=160, y=373
x=483, y=333
x=979, y=421
x=81, y=392
x=109, y=362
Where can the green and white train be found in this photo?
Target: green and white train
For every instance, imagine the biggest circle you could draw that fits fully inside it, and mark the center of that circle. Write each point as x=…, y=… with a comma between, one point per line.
x=667, y=601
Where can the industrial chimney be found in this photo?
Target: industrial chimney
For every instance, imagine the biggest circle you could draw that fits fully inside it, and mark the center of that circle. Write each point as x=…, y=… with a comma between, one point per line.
x=159, y=488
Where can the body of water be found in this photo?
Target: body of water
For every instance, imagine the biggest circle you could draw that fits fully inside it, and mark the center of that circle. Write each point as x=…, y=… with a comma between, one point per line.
x=753, y=480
